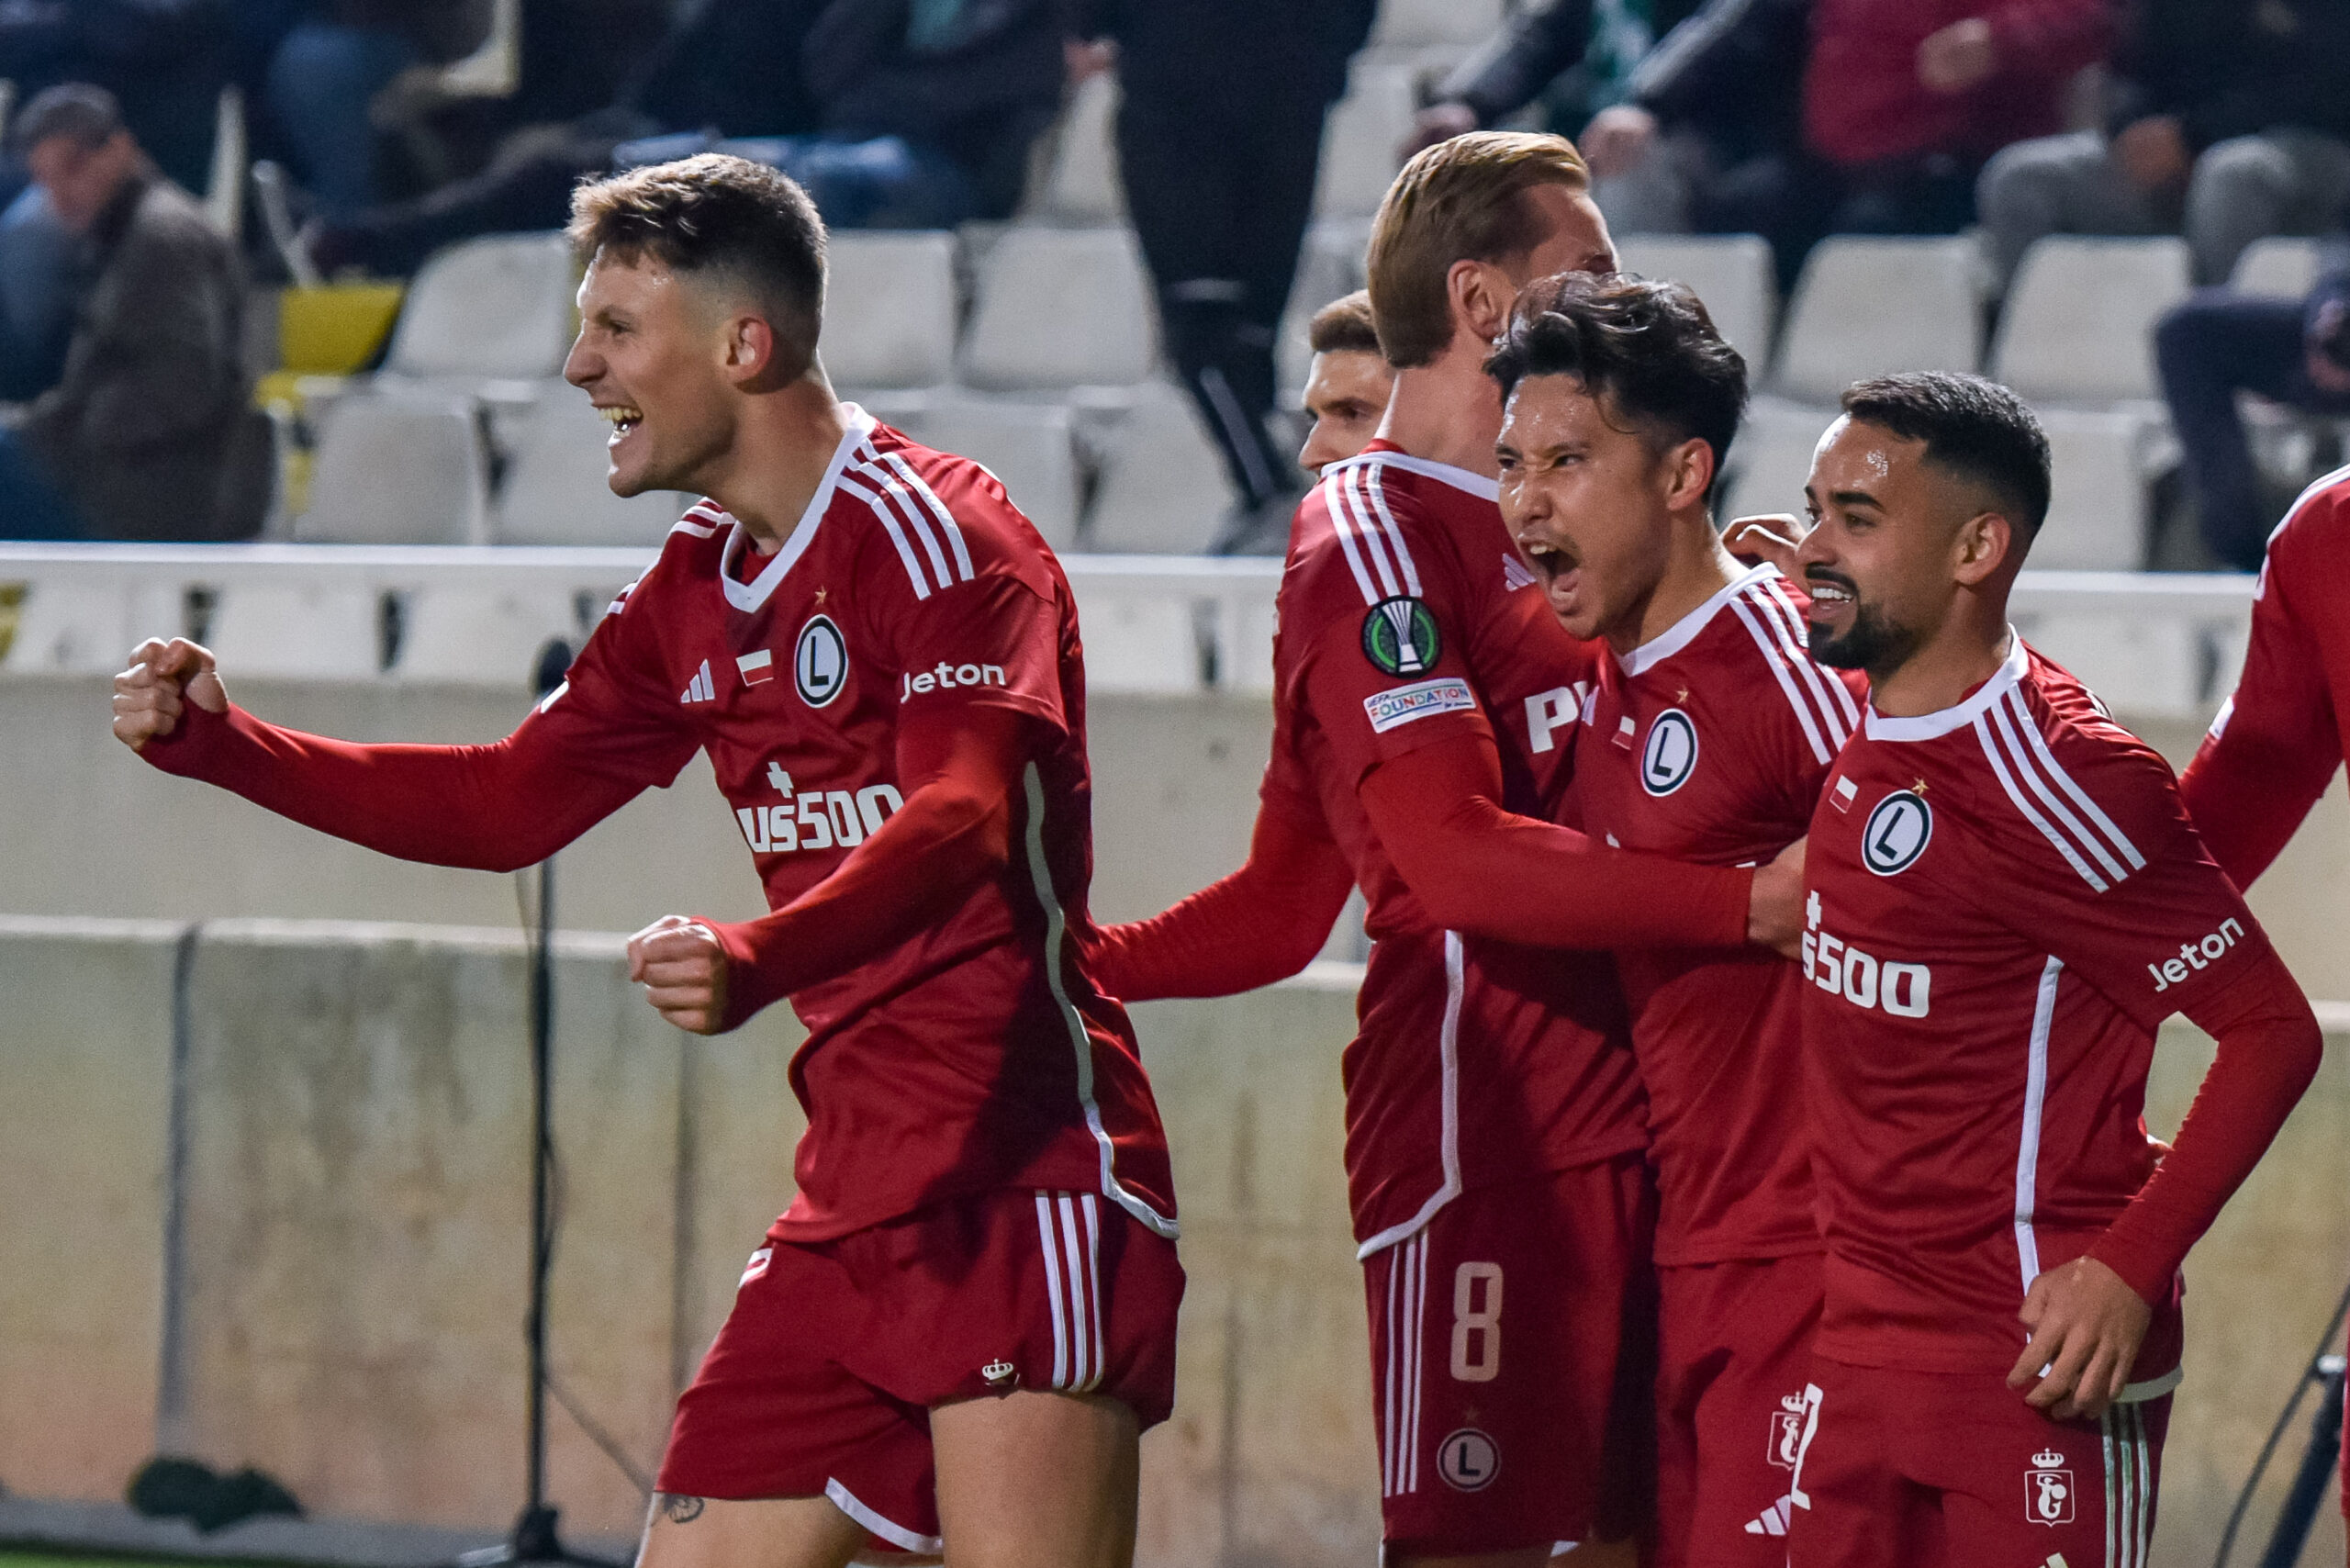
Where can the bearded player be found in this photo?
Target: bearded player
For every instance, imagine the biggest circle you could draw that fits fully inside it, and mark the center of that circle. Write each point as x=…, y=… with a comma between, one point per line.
x=2006, y=899
x=1708, y=738
x=1425, y=703
x=968, y=1312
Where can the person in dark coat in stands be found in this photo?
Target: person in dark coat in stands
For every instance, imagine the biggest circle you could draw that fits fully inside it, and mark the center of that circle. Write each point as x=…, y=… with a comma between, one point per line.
x=1219, y=140
x=151, y=434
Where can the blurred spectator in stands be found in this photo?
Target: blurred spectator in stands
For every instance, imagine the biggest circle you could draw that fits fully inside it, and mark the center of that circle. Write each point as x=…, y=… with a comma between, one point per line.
x=1219, y=140
x=1901, y=101
x=164, y=61
x=2217, y=343
x=893, y=114
x=1574, y=61
x=328, y=74
x=1346, y=389
x=2229, y=121
x=151, y=433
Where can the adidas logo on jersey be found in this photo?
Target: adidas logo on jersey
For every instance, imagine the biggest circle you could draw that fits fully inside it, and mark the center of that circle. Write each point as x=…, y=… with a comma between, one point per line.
x=1773, y=1520
x=1514, y=576
x=700, y=688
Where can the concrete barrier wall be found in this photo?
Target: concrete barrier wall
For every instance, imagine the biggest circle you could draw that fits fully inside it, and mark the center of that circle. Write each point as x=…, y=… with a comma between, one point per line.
x=93, y=831
x=350, y=1206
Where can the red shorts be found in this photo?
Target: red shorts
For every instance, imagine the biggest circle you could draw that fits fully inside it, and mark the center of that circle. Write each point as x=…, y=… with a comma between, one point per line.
x=1734, y=1353
x=1511, y=1358
x=821, y=1381
x=1940, y=1470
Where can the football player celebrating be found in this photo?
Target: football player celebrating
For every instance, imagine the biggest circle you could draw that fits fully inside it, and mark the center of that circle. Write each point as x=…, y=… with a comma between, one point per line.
x=1347, y=386
x=2006, y=899
x=1709, y=738
x=1425, y=703
x=881, y=656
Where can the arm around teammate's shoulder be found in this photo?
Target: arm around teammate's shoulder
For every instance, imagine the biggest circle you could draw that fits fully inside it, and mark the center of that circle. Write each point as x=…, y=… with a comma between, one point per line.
x=492, y=808
x=1478, y=868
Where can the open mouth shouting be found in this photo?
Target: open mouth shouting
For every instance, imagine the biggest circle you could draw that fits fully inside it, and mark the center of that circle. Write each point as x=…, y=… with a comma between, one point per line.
x=1558, y=567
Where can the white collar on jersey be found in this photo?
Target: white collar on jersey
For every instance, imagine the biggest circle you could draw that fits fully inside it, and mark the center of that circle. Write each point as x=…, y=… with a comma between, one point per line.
x=1683, y=632
x=1476, y=485
x=1931, y=726
x=750, y=595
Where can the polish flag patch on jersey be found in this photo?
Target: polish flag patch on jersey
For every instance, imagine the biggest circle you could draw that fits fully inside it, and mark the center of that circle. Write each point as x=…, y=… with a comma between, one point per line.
x=758, y=668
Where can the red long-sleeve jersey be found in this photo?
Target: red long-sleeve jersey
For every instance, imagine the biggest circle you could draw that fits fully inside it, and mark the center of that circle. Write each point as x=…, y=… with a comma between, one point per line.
x=957, y=1040
x=2005, y=901
x=1426, y=705
x=2278, y=741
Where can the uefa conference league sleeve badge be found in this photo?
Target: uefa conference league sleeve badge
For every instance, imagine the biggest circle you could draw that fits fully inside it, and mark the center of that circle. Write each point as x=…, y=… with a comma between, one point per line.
x=1400, y=637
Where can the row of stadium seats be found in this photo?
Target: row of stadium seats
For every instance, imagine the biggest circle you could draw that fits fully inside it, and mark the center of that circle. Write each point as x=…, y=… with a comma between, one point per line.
x=1031, y=348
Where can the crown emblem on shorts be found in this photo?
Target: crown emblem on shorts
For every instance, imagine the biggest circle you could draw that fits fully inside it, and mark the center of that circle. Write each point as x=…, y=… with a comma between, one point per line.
x=2047, y=1458
x=1791, y=1403
x=997, y=1372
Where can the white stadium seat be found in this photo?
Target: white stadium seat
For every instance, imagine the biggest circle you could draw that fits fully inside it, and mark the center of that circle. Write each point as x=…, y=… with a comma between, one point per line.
x=399, y=467
x=2281, y=266
x=2103, y=460
x=498, y=307
x=290, y=630
x=1079, y=182
x=1770, y=459
x=486, y=632
x=1030, y=447
x=1164, y=489
x=1360, y=141
x=554, y=491
x=1731, y=273
x=1060, y=308
x=2079, y=325
x=890, y=309
x=1437, y=21
x=1867, y=306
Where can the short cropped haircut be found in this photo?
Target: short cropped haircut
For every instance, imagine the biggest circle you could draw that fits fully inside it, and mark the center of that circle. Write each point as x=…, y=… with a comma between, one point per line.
x=1646, y=351
x=1972, y=428
x=713, y=214
x=86, y=116
x=1463, y=200
x=1343, y=326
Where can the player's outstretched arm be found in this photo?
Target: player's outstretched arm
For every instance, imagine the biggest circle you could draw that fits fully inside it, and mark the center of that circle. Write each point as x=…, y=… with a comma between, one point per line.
x=493, y=808
x=1480, y=869
x=962, y=766
x=1264, y=923
x=2087, y=1317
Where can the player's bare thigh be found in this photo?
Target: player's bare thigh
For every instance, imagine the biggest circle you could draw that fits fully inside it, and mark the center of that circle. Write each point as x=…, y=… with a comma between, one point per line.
x=1028, y=1481
x=1036, y=1480
x=768, y=1532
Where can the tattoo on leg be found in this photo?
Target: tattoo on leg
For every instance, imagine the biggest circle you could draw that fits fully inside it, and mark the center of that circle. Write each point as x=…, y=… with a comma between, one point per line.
x=680, y=1508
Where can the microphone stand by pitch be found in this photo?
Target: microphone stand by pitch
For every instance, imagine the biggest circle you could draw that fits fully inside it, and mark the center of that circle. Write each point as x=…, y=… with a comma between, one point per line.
x=535, y=1537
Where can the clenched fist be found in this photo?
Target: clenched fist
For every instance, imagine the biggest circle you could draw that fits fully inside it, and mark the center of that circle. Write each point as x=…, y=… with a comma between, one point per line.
x=683, y=970
x=164, y=676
